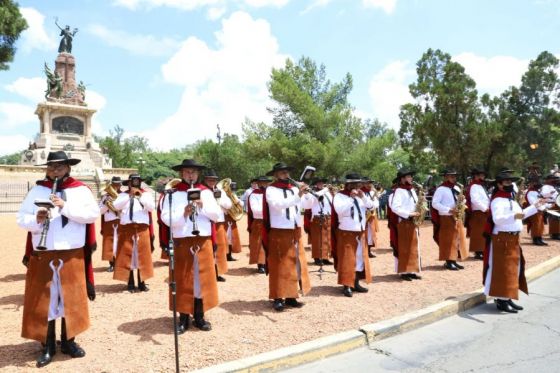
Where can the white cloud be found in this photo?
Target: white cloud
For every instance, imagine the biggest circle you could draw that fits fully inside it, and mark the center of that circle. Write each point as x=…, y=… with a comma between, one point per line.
x=493, y=74
x=13, y=143
x=143, y=45
x=35, y=37
x=13, y=114
x=388, y=6
x=32, y=89
x=388, y=90
x=315, y=4
x=223, y=85
x=215, y=13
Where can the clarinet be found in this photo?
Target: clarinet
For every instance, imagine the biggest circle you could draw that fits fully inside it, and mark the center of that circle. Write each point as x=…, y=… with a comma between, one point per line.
x=43, y=240
x=194, y=215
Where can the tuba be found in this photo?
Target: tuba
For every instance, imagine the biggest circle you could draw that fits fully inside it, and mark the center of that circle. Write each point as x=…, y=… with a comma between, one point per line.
x=171, y=184
x=236, y=210
x=421, y=205
x=111, y=196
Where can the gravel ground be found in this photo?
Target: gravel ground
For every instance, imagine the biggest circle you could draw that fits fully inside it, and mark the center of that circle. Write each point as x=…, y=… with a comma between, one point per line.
x=133, y=332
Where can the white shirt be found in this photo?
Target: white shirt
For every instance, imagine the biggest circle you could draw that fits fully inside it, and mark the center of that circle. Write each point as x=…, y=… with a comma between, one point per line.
x=503, y=211
x=80, y=208
x=348, y=217
x=443, y=200
x=479, y=198
x=141, y=208
x=183, y=226
x=256, y=202
x=284, y=212
x=225, y=203
x=310, y=202
x=549, y=192
x=404, y=202
x=108, y=214
x=373, y=198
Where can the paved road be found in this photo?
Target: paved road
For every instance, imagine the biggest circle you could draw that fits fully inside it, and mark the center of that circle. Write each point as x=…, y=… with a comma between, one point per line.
x=480, y=340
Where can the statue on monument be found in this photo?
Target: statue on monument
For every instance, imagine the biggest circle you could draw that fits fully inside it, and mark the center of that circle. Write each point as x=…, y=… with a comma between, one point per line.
x=67, y=36
x=54, y=82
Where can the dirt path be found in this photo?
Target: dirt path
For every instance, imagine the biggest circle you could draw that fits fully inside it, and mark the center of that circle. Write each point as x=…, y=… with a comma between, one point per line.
x=133, y=332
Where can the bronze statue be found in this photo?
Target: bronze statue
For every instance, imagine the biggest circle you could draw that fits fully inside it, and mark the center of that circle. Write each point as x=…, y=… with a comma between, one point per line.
x=54, y=82
x=67, y=36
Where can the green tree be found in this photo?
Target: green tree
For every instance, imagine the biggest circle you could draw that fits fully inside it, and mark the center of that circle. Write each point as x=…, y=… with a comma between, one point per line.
x=12, y=24
x=124, y=151
x=11, y=159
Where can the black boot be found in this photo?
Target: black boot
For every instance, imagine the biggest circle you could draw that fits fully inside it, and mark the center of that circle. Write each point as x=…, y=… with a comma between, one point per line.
x=458, y=265
x=292, y=302
x=542, y=242
x=369, y=253
x=515, y=306
x=327, y=262
x=183, y=323
x=260, y=268
x=450, y=265
x=555, y=236
x=479, y=255
x=347, y=291
x=49, y=347
x=415, y=276
x=406, y=277
x=199, y=321
x=218, y=277
x=68, y=346
x=111, y=265
x=537, y=241
x=503, y=305
x=278, y=305
x=357, y=287
x=130, y=286
x=317, y=261
x=230, y=258
x=141, y=284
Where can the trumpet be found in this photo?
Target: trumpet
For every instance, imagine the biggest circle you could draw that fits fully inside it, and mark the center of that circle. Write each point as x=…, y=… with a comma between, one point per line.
x=192, y=195
x=42, y=245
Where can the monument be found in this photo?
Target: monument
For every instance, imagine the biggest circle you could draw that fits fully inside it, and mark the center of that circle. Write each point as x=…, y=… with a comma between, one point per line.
x=65, y=119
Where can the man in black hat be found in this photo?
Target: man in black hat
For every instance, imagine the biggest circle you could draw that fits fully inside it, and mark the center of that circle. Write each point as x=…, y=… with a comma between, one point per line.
x=535, y=224
x=282, y=239
x=446, y=225
x=504, y=265
x=254, y=186
x=405, y=233
x=372, y=224
x=550, y=192
x=190, y=209
x=320, y=205
x=60, y=243
x=478, y=204
x=222, y=252
x=255, y=224
x=110, y=221
x=351, y=256
x=134, y=242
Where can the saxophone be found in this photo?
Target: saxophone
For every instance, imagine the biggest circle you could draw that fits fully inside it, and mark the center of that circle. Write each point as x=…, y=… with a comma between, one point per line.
x=421, y=205
x=461, y=206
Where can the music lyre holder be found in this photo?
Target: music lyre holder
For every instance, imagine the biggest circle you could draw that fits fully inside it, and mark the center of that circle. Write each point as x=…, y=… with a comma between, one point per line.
x=172, y=283
x=320, y=271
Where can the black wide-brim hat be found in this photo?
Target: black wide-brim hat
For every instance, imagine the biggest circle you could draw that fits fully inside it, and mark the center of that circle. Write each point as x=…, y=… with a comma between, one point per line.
x=116, y=180
x=188, y=163
x=478, y=170
x=353, y=178
x=130, y=177
x=366, y=179
x=61, y=157
x=280, y=166
x=404, y=172
x=263, y=179
x=211, y=174
x=448, y=171
x=552, y=177
x=504, y=175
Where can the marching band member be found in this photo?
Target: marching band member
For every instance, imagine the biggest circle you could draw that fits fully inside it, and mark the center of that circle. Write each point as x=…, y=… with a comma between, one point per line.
x=192, y=226
x=320, y=224
x=134, y=242
x=255, y=224
x=61, y=262
x=549, y=190
x=351, y=256
x=210, y=181
x=403, y=205
x=282, y=239
x=478, y=204
x=232, y=233
x=504, y=265
x=254, y=186
x=446, y=227
x=372, y=224
x=535, y=224
x=110, y=222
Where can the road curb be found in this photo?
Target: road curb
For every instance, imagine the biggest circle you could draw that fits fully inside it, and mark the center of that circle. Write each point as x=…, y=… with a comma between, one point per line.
x=342, y=342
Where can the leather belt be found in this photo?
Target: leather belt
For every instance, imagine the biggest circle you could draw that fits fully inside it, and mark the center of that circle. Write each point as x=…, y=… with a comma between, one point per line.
x=512, y=233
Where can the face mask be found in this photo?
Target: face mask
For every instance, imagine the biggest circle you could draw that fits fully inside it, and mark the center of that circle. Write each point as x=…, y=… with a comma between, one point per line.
x=508, y=188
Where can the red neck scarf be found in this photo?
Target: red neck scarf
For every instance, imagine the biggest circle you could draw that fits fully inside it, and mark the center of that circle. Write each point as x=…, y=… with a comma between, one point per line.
x=68, y=182
x=448, y=184
x=405, y=186
x=281, y=185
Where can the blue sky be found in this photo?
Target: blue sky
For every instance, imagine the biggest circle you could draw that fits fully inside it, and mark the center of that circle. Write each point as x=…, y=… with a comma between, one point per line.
x=171, y=69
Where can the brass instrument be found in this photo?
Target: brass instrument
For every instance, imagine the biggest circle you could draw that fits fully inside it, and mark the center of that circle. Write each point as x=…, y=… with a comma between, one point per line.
x=112, y=195
x=521, y=192
x=171, y=184
x=308, y=190
x=333, y=189
x=194, y=210
x=236, y=210
x=461, y=206
x=42, y=245
x=421, y=205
